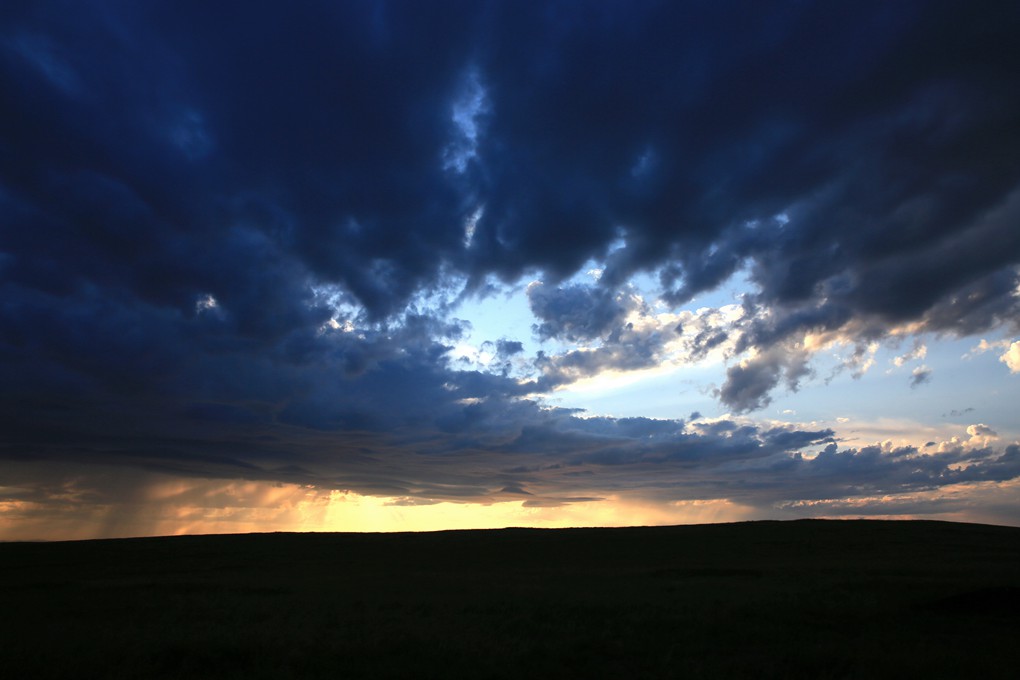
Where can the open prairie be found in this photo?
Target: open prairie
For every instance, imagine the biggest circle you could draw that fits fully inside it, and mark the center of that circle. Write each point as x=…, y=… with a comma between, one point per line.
x=813, y=599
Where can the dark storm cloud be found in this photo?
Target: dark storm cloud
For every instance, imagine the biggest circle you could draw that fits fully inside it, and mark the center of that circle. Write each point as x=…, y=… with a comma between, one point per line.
x=687, y=131
x=749, y=385
x=221, y=225
x=577, y=312
x=625, y=348
x=508, y=348
x=318, y=128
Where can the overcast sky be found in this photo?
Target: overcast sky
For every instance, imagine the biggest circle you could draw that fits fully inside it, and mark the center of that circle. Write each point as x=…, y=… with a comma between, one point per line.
x=424, y=265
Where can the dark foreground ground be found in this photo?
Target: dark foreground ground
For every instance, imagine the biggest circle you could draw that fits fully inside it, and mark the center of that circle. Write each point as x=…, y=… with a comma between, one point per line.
x=807, y=599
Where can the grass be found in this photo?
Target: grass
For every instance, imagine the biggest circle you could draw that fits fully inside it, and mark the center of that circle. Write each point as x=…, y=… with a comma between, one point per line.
x=812, y=599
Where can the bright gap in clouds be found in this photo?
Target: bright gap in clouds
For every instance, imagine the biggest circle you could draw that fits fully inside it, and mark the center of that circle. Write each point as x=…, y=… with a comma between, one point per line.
x=860, y=391
x=502, y=315
x=864, y=408
x=670, y=390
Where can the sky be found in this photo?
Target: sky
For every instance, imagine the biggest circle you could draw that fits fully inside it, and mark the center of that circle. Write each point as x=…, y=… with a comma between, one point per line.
x=384, y=266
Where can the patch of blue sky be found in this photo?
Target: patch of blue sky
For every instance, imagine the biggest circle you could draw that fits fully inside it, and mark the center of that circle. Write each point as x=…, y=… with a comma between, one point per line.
x=503, y=315
x=979, y=380
x=958, y=392
x=949, y=385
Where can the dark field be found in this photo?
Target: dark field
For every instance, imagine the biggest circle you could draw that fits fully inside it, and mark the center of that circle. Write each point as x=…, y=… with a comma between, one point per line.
x=810, y=599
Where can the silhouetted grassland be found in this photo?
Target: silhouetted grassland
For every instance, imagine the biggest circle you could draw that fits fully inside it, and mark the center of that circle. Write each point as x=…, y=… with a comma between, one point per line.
x=811, y=599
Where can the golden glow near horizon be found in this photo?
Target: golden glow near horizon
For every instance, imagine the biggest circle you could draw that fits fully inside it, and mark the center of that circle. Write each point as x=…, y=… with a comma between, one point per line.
x=202, y=506
x=179, y=507
x=92, y=502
